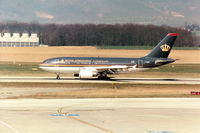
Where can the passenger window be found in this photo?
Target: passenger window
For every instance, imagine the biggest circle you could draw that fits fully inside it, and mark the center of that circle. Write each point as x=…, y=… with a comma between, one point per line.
x=62, y=61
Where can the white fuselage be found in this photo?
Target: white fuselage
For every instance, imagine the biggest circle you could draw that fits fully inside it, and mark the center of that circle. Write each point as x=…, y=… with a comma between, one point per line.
x=73, y=70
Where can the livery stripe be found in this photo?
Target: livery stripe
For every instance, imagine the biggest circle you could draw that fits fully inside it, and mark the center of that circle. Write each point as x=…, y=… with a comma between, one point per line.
x=81, y=65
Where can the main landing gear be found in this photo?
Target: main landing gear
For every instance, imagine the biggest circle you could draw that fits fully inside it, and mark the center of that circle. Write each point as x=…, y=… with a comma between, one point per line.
x=58, y=76
x=103, y=76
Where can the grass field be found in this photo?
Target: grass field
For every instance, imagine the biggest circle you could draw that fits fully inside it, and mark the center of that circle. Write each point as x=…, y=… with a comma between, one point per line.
x=85, y=90
x=171, y=70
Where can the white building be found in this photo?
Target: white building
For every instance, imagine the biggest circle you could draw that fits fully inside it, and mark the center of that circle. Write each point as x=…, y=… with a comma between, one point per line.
x=15, y=40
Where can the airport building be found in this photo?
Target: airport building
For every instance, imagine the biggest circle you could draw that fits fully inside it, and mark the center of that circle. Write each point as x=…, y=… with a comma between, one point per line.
x=17, y=40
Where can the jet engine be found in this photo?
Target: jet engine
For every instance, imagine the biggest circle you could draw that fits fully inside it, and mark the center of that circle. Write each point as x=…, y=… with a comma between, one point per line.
x=86, y=74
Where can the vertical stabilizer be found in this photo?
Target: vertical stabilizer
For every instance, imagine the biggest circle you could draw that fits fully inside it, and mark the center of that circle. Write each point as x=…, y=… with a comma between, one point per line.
x=164, y=47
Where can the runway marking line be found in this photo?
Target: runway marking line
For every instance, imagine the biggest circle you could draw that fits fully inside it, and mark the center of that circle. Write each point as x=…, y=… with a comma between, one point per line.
x=82, y=121
x=9, y=127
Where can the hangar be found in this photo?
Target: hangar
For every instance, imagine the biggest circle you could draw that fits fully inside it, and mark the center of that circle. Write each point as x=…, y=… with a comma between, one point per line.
x=19, y=40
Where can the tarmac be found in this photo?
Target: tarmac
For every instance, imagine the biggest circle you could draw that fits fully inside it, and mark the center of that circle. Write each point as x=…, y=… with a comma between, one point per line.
x=102, y=115
x=126, y=80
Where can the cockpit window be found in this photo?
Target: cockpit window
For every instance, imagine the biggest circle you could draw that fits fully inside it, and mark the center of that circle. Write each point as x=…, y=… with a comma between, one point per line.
x=51, y=61
x=46, y=61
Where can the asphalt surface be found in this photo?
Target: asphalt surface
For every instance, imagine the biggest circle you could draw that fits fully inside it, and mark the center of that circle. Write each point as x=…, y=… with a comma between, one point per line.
x=119, y=115
x=112, y=80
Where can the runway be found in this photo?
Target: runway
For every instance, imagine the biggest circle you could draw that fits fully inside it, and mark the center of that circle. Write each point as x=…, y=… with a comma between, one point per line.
x=117, y=115
x=127, y=80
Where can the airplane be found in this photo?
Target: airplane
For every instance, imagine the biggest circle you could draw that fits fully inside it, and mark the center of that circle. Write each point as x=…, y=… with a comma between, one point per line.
x=100, y=67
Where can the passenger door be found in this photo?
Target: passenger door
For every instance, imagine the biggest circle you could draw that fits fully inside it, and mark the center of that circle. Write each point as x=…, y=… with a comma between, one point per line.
x=140, y=63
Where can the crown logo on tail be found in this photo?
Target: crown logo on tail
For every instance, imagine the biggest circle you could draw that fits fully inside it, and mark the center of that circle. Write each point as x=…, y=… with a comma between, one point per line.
x=165, y=48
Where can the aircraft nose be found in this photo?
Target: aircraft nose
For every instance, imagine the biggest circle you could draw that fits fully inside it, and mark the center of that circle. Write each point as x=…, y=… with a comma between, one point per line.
x=41, y=65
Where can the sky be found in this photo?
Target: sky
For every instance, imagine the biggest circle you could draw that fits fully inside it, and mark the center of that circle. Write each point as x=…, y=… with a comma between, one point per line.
x=157, y=12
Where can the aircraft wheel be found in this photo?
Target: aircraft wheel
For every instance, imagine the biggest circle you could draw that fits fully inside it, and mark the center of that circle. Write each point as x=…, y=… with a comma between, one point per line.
x=103, y=77
x=58, y=76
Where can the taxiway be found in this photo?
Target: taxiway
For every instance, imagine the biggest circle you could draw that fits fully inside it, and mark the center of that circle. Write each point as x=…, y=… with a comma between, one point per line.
x=117, y=115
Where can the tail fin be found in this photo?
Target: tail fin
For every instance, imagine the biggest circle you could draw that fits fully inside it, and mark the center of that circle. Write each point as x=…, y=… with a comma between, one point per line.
x=164, y=47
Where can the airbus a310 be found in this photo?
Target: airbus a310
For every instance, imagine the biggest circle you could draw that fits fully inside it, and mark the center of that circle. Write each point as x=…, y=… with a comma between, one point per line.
x=100, y=67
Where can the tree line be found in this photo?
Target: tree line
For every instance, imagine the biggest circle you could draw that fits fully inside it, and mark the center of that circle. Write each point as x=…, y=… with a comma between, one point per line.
x=99, y=34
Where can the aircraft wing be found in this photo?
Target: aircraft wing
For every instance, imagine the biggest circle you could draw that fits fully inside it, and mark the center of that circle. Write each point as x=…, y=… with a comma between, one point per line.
x=113, y=68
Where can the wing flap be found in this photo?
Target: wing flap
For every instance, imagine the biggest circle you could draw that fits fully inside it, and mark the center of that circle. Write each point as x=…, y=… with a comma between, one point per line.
x=113, y=69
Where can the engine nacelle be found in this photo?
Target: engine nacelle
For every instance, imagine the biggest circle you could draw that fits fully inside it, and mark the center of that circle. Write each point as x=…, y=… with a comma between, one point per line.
x=86, y=73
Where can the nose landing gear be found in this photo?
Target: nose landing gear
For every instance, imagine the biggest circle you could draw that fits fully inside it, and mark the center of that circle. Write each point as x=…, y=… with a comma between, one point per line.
x=58, y=76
